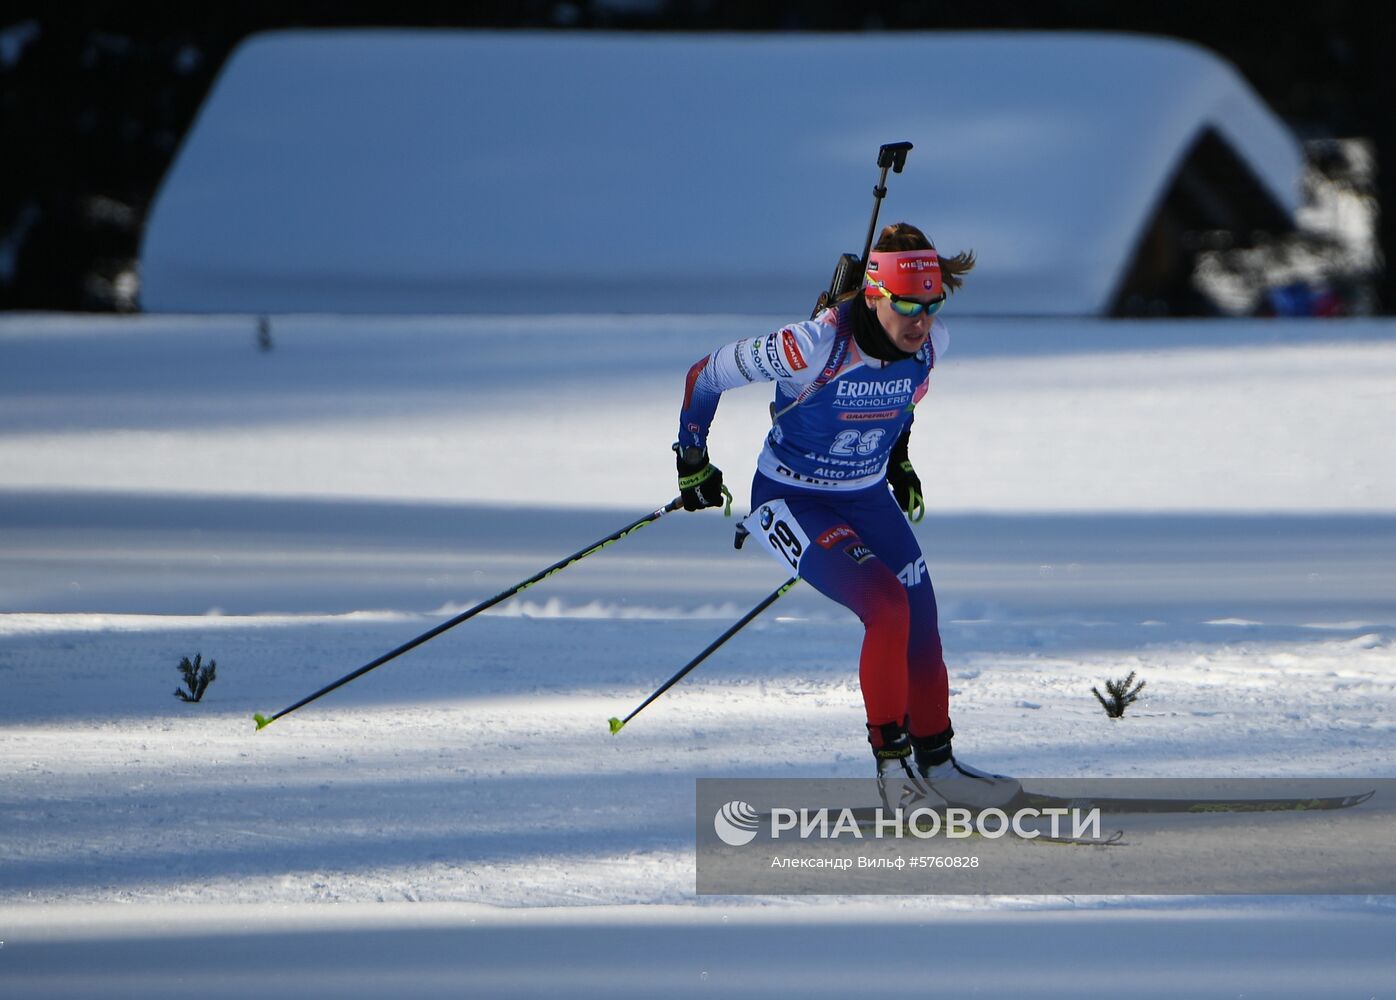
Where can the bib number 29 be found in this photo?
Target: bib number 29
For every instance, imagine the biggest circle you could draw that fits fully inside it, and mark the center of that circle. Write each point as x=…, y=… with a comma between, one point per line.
x=783, y=539
x=781, y=534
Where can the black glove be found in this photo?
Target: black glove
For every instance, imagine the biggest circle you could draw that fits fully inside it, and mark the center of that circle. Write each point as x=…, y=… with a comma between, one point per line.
x=906, y=485
x=700, y=482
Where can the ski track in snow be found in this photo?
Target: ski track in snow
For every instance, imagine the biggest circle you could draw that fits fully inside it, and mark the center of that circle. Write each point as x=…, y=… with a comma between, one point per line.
x=1116, y=497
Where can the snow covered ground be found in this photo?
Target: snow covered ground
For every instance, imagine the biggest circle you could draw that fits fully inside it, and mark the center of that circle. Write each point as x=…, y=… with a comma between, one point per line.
x=1212, y=505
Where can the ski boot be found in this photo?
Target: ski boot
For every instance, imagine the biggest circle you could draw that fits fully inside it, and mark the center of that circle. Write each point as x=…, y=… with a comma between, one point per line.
x=947, y=782
x=896, y=782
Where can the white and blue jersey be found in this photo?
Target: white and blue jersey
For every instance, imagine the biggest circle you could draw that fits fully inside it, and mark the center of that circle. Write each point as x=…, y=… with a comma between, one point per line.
x=837, y=412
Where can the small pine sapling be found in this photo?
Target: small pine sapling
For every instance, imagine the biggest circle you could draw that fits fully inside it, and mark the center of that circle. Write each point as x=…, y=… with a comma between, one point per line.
x=1121, y=695
x=197, y=677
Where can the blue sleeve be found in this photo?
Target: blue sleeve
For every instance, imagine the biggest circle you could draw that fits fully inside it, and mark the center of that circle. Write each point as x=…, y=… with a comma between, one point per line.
x=700, y=397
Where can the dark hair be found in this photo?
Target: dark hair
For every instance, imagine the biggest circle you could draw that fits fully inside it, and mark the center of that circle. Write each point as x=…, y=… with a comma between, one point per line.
x=904, y=236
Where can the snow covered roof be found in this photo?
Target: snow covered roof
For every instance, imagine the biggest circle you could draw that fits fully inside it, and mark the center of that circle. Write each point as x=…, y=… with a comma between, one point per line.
x=453, y=171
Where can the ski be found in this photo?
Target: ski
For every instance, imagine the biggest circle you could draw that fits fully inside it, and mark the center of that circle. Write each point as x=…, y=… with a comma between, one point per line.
x=1028, y=799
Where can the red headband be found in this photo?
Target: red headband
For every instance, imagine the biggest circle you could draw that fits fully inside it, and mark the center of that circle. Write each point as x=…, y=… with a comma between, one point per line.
x=907, y=273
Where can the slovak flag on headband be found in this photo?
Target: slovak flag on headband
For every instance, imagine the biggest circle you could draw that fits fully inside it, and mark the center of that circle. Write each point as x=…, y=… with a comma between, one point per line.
x=904, y=273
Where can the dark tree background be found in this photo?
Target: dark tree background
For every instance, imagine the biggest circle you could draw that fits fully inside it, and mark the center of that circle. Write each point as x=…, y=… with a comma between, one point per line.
x=95, y=96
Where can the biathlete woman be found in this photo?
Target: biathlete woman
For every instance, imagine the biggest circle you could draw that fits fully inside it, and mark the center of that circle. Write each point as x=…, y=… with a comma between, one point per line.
x=846, y=385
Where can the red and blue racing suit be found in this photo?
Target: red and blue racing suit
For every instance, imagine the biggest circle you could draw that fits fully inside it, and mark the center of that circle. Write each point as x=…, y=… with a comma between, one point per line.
x=838, y=413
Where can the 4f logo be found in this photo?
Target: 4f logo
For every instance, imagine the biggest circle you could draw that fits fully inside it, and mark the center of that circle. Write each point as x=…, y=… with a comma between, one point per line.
x=913, y=573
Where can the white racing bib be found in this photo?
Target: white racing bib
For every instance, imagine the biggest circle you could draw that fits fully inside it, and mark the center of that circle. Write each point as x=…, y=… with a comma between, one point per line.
x=779, y=533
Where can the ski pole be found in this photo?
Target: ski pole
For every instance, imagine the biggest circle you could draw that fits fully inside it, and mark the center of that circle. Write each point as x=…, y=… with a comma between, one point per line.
x=615, y=536
x=766, y=602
